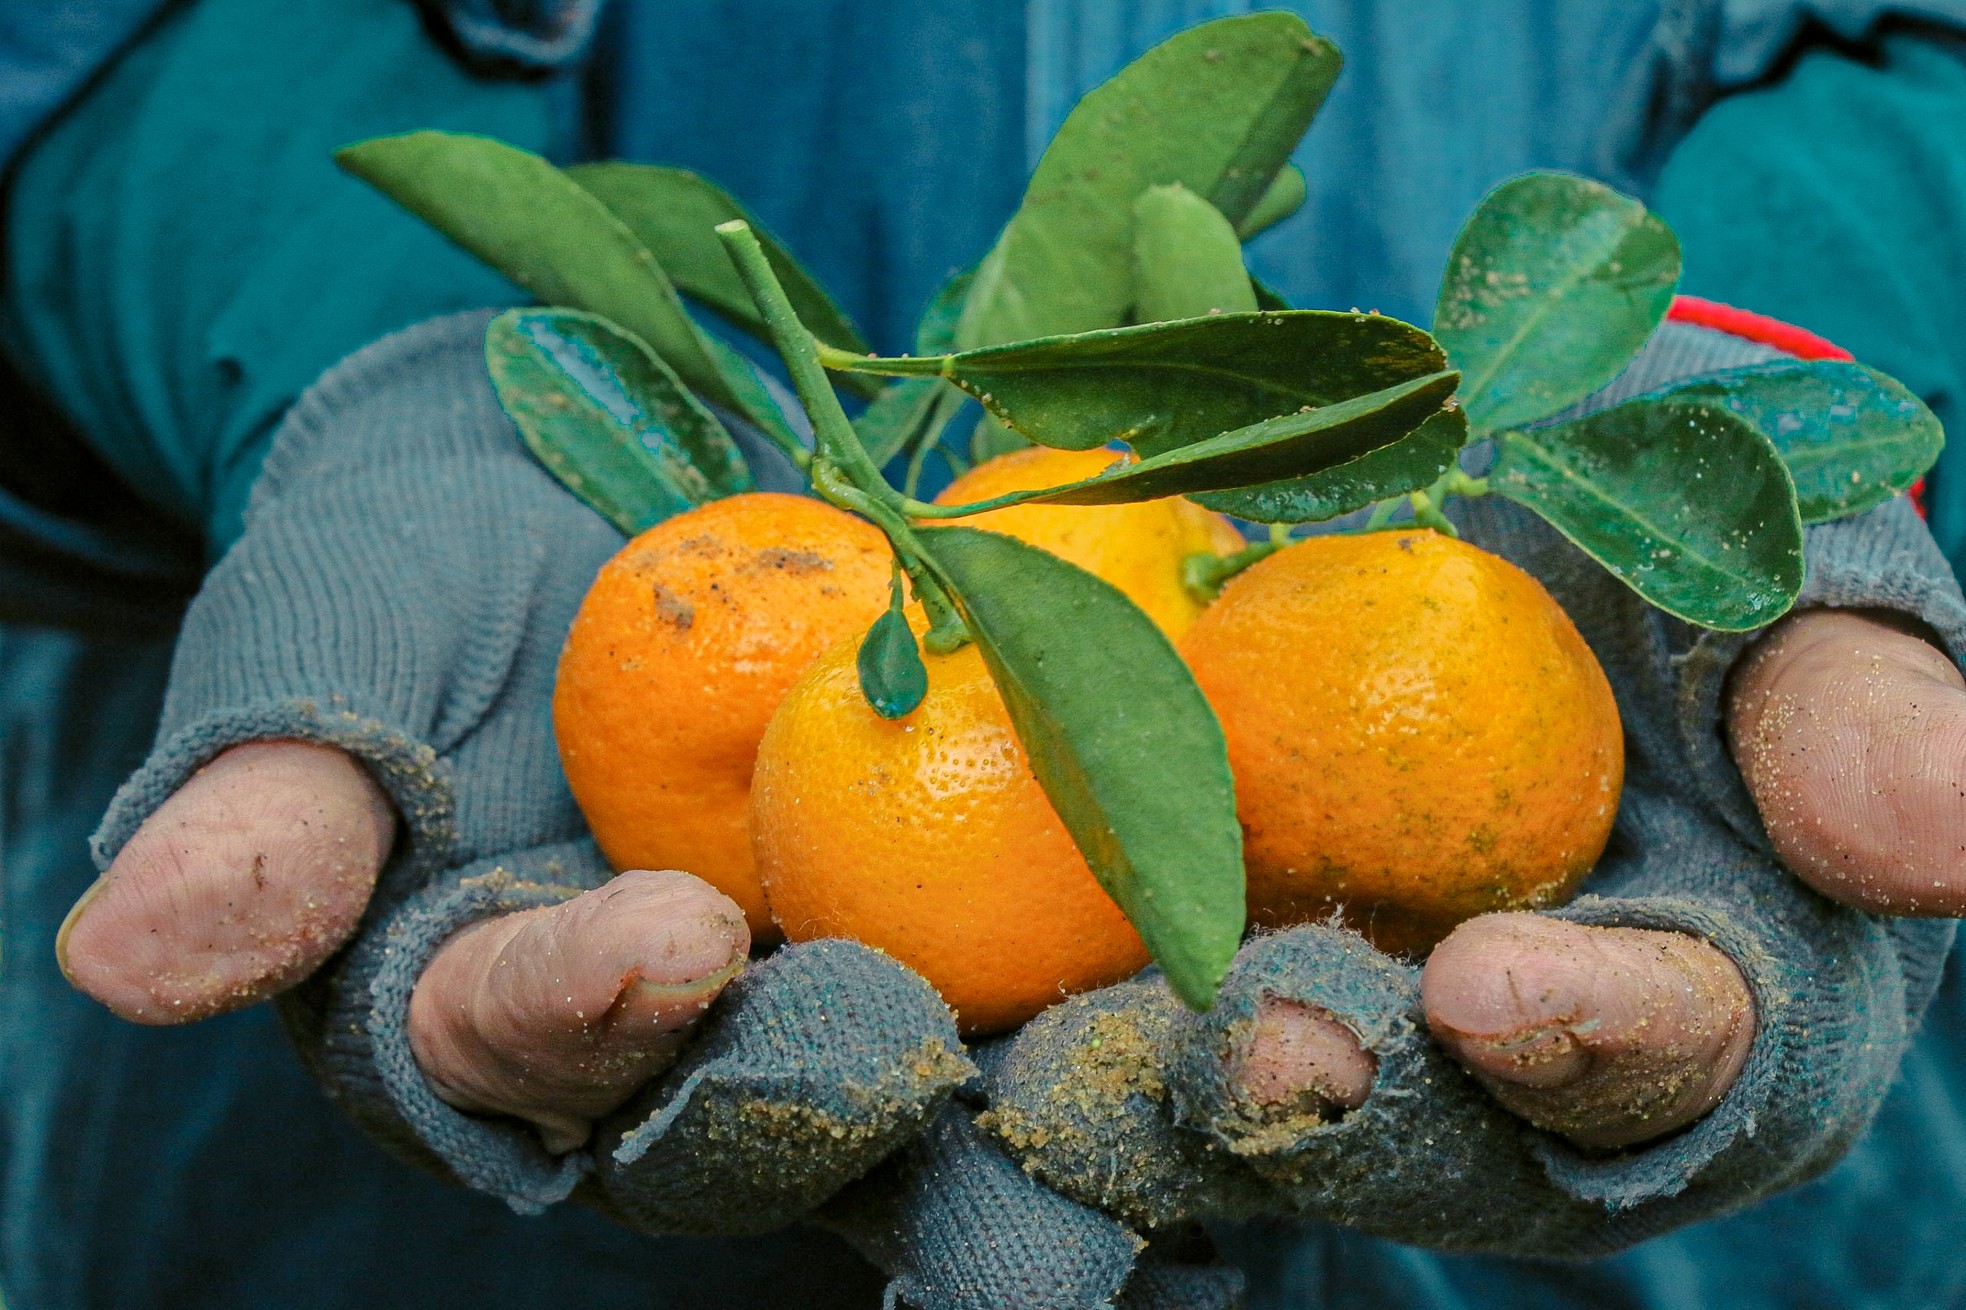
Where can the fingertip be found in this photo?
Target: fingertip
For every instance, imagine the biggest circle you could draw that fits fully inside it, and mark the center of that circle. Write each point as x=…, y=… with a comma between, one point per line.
x=1301, y=1057
x=243, y=882
x=1850, y=733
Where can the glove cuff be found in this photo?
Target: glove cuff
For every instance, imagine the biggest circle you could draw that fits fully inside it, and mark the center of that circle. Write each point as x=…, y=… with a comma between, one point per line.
x=351, y=1024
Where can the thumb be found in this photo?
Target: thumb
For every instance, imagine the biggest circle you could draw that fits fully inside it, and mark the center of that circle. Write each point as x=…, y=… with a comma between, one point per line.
x=1851, y=734
x=241, y=884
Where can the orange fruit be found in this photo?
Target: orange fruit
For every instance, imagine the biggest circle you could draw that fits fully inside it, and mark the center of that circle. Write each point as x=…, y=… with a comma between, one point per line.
x=1138, y=548
x=929, y=838
x=680, y=652
x=1417, y=731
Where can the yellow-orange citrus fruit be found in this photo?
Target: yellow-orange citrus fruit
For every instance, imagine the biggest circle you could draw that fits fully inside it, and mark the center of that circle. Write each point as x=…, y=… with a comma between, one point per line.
x=929, y=838
x=1417, y=731
x=1137, y=548
x=682, y=649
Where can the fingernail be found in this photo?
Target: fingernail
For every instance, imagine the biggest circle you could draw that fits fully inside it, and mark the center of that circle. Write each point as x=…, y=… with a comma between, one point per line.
x=1544, y=1056
x=68, y=923
x=667, y=1004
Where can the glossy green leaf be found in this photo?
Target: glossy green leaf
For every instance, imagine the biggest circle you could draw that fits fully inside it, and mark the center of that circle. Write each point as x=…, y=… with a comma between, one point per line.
x=1217, y=108
x=1286, y=196
x=904, y=415
x=1136, y=766
x=1852, y=438
x=755, y=400
x=1267, y=297
x=608, y=418
x=674, y=212
x=935, y=334
x=533, y=223
x=1686, y=503
x=892, y=676
x=1553, y=285
x=1414, y=462
x=1163, y=385
x=1288, y=446
x=1187, y=262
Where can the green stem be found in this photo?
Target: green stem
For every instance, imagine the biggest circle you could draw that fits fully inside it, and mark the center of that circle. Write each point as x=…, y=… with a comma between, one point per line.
x=799, y=349
x=1382, y=515
x=1204, y=574
x=1427, y=515
x=946, y=630
x=843, y=472
x=904, y=366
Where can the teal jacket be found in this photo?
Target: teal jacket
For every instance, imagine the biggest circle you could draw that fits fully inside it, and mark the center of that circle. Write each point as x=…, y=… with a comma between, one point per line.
x=182, y=260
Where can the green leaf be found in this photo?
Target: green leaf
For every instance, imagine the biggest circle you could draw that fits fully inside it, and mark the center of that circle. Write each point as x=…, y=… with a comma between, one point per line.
x=1414, y=462
x=608, y=418
x=892, y=675
x=935, y=334
x=1288, y=446
x=1285, y=197
x=904, y=415
x=1163, y=385
x=1187, y=262
x=533, y=223
x=674, y=212
x=1217, y=108
x=1552, y=287
x=1136, y=767
x=754, y=399
x=1852, y=438
x=1685, y=502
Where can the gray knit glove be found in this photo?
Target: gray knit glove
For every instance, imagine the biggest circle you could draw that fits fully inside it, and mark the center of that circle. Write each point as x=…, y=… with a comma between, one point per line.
x=405, y=581
x=1120, y=1101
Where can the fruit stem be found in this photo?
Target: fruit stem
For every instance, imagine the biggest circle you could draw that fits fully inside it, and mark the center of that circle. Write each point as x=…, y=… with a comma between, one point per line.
x=1204, y=574
x=946, y=631
x=1428, y=515
x=799, y=349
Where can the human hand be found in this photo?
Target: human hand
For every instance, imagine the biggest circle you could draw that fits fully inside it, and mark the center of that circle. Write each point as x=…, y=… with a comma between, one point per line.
x=356, y=805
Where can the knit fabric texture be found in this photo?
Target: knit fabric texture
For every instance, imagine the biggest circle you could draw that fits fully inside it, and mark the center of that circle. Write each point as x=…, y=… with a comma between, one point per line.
x=404, y=584
x=1119, y=1099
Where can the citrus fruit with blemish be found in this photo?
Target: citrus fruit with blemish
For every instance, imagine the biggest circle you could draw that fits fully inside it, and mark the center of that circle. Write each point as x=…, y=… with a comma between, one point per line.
x=1138, y=548
x=929, y=838
x=1418, y=734
x=680, y=652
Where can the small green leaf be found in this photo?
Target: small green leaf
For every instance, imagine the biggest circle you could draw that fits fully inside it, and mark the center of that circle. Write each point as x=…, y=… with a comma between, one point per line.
x=1187, y=262
x=1288, y=446
x=674, y=212
x=533, y=223
x=904, y=415
x=935, y=334
x=1852, y=438
x=1685, y=502
x=1553, y=285
x=608, y=418
x=1414, y=462
x=1136, y=767
x=1163, y=385
x=892, y=676
x=1285, y=197
x=1267, y=297
x=1217, y=108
